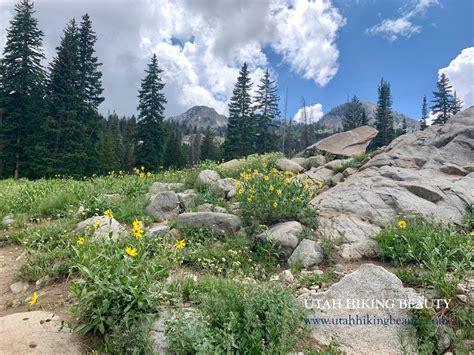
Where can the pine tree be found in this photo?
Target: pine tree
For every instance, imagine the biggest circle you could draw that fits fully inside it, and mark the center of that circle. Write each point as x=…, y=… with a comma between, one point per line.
x=443, y=100
x=404, y=126
x=240, y=139
x=354, y=115
x=384, y=117
x=151, y=109
x=129, y=143
x=91, y=90
x=424, y=115
x=66, y=106
x=208, y=147
x=23, y=81
x=364, y=120
x=456, y=105
x=266, y=108
x=174, y=148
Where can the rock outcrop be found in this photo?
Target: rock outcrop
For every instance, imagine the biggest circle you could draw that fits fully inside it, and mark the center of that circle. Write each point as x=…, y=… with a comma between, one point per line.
x=428, y=173
x=163, y=206
x=363, y=329
x=346, y=143
x=106, y=227
x=37, y=332
x=285, y=235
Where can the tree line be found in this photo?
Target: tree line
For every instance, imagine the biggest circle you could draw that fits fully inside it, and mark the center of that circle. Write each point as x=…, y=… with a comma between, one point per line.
x=50, y=124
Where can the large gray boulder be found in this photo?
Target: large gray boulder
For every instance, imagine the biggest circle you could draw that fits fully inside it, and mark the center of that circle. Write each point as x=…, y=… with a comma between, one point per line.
x=207, y=177
x=314, y=161
x=163, y=206
x=409, y=177
x=219, y=223
x=347, y=143
x=107, y=227
x=308, y=253
x=186, y=199
x=284, y=164
x=224, y=187
x=285, y=234
x=37, y=332
x=342, y=305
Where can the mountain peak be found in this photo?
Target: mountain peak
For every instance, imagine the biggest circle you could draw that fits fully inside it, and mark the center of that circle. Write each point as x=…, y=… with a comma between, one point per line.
x=201, y=117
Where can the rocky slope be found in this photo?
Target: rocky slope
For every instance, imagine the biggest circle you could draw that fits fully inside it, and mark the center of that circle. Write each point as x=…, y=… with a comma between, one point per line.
x=428, y=173
x=201, y=117
x=333, y=118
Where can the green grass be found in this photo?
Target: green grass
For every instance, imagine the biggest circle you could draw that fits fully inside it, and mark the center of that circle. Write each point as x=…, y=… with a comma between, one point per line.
x=354, y=162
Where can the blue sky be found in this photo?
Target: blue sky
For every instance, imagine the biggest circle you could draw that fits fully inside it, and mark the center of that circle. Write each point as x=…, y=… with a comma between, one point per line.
x=322, y=50
x=410, y=64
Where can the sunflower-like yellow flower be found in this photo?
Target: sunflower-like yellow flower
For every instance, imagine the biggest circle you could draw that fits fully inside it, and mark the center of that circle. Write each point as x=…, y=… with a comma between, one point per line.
x=273, y=170
x=287, y=180
x=108, y=213
x=250, y=199
x=137, y=230
x=34, y=299
x=320, y=184
x=255, y=171
x=131, y=251
x=402, y=224
x=275, y=204
x=252, y=191
x=279, y=192
x=471, y=234
x=271, y=188
x=264, y=165
x=241, y=191
x=180, y=244
x=266, y=177
x=97, y=224
x=80, y=241
x=237, y=184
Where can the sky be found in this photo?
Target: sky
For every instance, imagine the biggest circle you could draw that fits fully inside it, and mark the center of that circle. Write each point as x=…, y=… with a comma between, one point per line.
x=321, y=52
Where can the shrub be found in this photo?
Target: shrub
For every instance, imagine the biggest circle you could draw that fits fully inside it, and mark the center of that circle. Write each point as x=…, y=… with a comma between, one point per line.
x=267, y=197
x=447, y=253
x=236, y=318
x=118, y=281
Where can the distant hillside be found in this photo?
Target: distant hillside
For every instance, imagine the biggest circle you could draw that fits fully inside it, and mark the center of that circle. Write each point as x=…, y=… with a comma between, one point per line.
x=333, y=119
x=201, y=117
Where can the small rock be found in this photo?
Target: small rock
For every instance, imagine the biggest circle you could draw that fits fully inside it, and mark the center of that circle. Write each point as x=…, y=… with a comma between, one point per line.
x=158, y=230
x=19, y=287
x=205, y=207
x=308, y=253
x=163, y=206
x=43, y=281
x=303, y=290
x=338, y=178
x=186, y=199
x=349, y=171
x=224, y=187
x=462, y=298
x=334, y=164
x=8, y=220
x=107, y=227
x=207, y=177
x=314, y=287
x=314, y=161
x=286, y=276
x=220, y=209
x=298, y=160
x=284, y=234
x=284, y=164
x=445, y=334
x=274, y=278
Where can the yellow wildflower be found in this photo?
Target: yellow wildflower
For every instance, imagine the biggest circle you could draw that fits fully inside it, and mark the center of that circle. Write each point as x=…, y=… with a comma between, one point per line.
x=180, y=244
x=137, y=231
x=271, y=188
x=252, y=191
x=266, y=177
x=142, y=168
x=108, y=213
x=255, y=171
x=402, y=224
x=250, y=199
x=264, y=165
x=80, y=241
x=148, y=174
x=237, y=184
x=136, y=223
x=275, y=204
x=320, y=184
x=97, y=224
x=34, y=299
x=142, y=175
x=471, y=234
x=279, y=192
x=241, y=191
x=287, y=180
x=131, y=251
x=273, y=170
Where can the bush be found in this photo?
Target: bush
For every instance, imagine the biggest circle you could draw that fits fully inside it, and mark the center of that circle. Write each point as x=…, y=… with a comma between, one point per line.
x=236, y=318
x=251, y=162
x=447, y=253
x=270, y=196
x=118, y=281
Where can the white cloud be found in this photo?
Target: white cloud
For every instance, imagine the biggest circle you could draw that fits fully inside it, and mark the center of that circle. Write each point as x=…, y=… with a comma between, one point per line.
x=200, y=44
x=460, y=73
x=402, y=26
x=313, y=114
